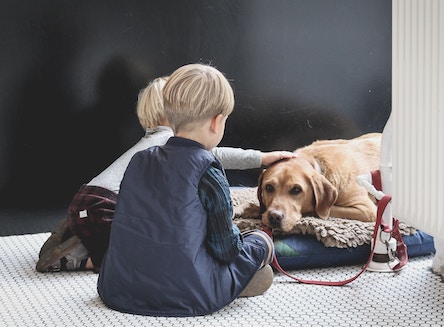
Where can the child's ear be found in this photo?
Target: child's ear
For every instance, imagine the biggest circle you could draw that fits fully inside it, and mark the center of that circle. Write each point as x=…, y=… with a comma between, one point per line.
x=217, y=122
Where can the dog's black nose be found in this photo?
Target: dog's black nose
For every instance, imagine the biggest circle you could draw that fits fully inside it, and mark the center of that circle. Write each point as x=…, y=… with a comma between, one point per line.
x=275, y=217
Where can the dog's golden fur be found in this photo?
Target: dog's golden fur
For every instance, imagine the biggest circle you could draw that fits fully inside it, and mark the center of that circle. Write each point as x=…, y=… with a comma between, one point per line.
x=320, y=182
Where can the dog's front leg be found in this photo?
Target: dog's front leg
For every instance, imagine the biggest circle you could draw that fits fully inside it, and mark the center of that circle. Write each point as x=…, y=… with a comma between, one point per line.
x=359, y=212
x=247, y=210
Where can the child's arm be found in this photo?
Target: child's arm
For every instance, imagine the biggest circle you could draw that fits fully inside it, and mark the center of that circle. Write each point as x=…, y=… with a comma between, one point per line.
x=237, y=158
x=223, y=237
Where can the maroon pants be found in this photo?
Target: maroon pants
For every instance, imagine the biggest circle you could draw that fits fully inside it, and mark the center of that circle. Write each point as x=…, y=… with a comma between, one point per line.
x=90, y=215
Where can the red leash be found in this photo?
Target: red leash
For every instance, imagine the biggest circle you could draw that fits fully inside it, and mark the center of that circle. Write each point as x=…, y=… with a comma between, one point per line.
x=401, y=248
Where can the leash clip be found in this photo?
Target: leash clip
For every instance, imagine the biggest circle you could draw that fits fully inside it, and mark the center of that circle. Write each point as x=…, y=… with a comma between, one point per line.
x=389, y=251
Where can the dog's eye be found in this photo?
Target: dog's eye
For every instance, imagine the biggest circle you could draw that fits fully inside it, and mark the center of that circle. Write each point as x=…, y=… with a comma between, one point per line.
x=295, y=190
x=269, y=188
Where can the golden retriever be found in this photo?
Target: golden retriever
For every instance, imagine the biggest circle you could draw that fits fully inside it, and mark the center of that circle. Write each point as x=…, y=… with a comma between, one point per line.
x=321, y=182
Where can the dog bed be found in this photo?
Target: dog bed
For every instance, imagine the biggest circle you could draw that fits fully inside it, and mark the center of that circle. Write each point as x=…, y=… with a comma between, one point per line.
x=317, y=243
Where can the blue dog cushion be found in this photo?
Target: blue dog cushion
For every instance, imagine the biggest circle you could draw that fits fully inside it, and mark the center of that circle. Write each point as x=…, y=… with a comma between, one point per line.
x=315, y=242
x=305, y=251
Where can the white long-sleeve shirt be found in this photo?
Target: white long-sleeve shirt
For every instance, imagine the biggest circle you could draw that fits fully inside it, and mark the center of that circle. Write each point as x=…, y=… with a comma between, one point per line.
x=231, y=158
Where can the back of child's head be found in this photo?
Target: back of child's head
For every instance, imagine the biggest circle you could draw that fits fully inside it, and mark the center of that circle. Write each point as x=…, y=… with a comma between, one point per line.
x=194, y=93
x=150, y=109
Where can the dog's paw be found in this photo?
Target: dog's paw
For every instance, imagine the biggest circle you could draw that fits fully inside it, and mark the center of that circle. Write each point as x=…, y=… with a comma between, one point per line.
x=247, y=210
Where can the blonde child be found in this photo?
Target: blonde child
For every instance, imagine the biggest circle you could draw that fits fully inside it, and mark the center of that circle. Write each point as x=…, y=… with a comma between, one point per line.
x=174, y=250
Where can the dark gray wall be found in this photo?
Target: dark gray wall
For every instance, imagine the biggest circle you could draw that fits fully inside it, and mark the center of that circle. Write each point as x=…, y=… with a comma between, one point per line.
x=71, y=71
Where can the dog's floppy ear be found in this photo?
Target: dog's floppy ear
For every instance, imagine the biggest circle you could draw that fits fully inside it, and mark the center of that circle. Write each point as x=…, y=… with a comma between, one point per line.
x=259, y=193
x=325, y=195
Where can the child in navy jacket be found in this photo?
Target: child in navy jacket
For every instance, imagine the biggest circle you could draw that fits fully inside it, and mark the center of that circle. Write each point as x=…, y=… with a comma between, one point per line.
x=174, y=250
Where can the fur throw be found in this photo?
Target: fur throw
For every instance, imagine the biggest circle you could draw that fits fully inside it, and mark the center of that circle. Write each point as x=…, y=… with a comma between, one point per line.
x=332, y=232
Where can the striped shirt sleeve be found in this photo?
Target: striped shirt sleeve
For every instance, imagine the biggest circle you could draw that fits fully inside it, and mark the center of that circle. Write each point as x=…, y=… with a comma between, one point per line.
x=223, y=237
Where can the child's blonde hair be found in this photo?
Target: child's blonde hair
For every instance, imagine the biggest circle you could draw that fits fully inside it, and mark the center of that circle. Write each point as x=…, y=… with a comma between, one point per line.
x=194, y=93
x=150, y=109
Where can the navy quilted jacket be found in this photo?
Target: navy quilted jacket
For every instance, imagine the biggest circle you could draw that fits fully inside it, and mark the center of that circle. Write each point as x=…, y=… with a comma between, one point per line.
x=157, y=263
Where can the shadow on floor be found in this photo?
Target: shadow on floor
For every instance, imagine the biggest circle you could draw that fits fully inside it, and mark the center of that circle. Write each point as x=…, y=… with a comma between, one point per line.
x=19, y=222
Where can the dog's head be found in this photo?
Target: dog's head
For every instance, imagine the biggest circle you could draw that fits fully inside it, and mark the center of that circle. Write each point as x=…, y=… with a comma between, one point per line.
x=291, y=189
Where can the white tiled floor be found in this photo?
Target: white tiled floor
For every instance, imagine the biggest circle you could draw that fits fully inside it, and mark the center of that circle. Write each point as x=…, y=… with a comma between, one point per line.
x=412, y=297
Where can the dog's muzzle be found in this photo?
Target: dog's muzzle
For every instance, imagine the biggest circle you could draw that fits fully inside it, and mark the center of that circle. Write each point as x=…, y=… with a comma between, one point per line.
x=275, y=218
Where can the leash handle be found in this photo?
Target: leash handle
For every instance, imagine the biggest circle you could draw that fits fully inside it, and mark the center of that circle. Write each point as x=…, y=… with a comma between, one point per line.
x=401, y=248
x=382, y=204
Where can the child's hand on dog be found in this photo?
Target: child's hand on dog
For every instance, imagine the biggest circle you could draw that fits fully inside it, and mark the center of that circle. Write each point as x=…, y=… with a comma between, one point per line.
x=270, y=157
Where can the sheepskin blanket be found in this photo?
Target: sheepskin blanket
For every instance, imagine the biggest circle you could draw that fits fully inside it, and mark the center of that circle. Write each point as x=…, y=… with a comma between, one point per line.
x=332, y=232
